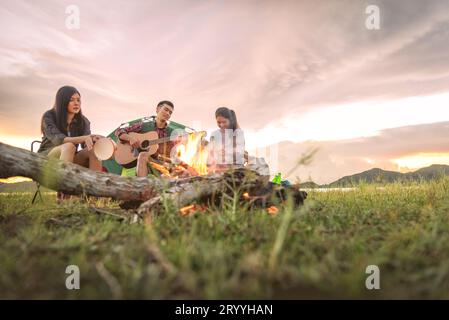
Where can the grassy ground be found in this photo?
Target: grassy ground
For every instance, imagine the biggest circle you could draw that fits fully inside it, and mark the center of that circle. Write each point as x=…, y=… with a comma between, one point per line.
x=318, y=251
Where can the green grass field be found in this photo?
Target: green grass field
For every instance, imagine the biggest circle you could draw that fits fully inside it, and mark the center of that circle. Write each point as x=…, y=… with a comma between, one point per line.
x=320, y=250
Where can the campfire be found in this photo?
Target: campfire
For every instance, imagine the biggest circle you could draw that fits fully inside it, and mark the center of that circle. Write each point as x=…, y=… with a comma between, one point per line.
x=194, y=153
x=189, y=159
x=189, y=164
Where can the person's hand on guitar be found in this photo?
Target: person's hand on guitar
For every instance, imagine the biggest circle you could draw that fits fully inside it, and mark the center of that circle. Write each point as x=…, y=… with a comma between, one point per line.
x=134, y=142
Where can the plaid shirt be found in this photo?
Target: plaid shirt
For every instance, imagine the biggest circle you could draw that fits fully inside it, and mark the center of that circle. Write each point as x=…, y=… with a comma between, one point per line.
x=141, y=127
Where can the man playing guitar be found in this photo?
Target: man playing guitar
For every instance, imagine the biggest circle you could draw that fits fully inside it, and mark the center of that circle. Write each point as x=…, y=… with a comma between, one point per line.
x=164, y=111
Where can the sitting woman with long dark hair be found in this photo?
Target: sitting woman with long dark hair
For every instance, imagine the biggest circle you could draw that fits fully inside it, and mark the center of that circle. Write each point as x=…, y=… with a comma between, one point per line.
x=227, y=144
x=64, y=128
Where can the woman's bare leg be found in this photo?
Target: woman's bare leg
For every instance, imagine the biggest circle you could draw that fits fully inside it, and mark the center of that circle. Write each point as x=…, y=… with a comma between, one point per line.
x=88, y=159
x=65, y=151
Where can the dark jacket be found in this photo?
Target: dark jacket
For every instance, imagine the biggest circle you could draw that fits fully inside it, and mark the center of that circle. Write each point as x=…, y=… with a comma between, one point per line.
x=53, y=137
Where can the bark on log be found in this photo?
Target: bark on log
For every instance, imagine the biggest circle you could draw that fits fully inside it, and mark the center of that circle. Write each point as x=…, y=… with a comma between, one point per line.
x=74, y=179
x=185, y=193
x=202, y=189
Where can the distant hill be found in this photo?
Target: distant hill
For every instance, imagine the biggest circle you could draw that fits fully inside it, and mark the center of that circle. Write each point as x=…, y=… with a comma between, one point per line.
x=429, y=173
x=377, y=175
x=309, y=185
x=374, y=175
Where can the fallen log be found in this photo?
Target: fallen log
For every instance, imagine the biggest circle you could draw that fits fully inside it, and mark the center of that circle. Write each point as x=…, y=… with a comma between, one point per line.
x=149, y=193
x=74, y=179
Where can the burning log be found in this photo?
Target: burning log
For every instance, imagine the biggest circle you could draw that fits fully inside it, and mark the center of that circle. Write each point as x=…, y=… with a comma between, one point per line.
x=171, y=168
x=160, y=168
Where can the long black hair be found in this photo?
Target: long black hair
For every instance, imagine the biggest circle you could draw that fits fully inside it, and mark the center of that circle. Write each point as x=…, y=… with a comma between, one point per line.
x=228, y=114
x=62, y=100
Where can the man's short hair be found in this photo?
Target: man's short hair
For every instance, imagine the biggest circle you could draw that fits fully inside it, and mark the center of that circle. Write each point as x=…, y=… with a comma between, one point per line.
x=169, y=103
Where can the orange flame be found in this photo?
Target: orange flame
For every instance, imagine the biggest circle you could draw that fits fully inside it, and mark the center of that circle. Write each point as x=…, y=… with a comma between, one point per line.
x=273, y=210
x=193, y=153
x=191, y=209
x=187, y=210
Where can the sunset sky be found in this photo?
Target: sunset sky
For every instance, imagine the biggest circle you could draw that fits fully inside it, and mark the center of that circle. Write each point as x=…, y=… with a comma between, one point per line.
x=299, y=74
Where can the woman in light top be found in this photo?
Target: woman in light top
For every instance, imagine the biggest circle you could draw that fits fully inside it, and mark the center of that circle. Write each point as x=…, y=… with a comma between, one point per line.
x=227, y=144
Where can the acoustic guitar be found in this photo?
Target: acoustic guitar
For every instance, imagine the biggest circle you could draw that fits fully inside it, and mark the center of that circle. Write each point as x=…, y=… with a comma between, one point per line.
x=126, y=155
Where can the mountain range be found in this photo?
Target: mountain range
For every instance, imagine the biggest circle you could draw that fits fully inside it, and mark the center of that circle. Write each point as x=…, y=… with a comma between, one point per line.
x=377, y=175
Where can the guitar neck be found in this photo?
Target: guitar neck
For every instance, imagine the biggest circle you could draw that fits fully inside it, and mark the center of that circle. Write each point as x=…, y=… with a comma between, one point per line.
x=160, y=140
x=167, y=139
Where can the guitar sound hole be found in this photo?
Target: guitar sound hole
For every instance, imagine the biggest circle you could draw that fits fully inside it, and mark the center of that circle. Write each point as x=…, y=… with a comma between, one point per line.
x=145, y=144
